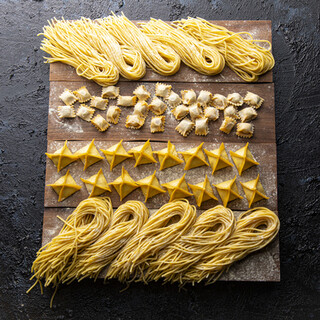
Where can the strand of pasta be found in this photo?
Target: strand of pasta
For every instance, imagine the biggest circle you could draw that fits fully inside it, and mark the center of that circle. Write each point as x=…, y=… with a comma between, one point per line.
x=161, y=58
x=198, y=56
x=254, y=229
x=163, y=228
x=66, y=46
x=244, y=56
x=126, y=222
x=211, y=229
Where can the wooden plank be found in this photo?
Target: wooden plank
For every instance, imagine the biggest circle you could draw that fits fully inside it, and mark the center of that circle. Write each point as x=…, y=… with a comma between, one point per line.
x=260, y=29
x=263, y=265
x=78, y=129
x=265, y=154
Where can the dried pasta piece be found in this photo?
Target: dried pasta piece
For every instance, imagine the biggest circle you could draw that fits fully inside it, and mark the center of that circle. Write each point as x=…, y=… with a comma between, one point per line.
x=141, y=108
x=134, y=121
x=245, y=130
x=228, y=191
x=231, y=112
x=143, y=154
x=211, y=113
x=65, y=186
x=85, y=113
x=126, y=101
x=247, y=114
x=195, y=111
x=202, y=128
x=142, y=93
x=194, y=157
x=188, y=96
x=96, y=184
x=110, y=92
x=88, y=155
x=68, y=97
x=219, y=101
x=113, y=114
x=82, y=94
x=157, y=124
x=173, y=99
x=204, y=98
x=100, y=123
x=99, y=103
x=157, y=106
x=177, y=189
x=235, y=99
x=185, y=127
x=227, y=125
x=168, y=157
x=218, y=158
x=66, y=112
x=180, y=111
x=253, y=100
x=163, y=90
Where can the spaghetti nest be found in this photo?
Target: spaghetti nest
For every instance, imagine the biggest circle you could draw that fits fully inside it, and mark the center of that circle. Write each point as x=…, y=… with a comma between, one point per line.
x=254, y=230
x=243, y=55
x=195, y=54
x=163, y=228
x=211, y=229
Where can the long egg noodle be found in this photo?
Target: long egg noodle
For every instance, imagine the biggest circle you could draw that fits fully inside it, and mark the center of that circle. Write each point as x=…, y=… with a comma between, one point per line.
x=212, y=228
x=243, y=55
x=67, y=46
x=198, y=56
x=81, y=229
x=126, y=221
x=163, y=228
x=161, y=58
x=254, y=230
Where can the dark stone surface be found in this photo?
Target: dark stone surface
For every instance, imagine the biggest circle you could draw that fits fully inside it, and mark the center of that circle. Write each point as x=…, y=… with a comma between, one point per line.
x=24, y=106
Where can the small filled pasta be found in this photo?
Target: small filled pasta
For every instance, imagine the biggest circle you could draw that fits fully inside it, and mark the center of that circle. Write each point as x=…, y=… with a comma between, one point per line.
x=82, y=94
x=173, y=99
x=68, y=97
x=185, y=127
x=204, y=98
x=231, y=112
x=195, y=111
x=126, y=101
x=235, y=99
x=110, y=92
x=180, y=111
x=113, y=114
x=141, y=93
x=163, y=90
x=202, y=128
x=247, y=114
x=253, y=100
x=99, y=103
x=100, y=123
x=85, y=113
x=157, y=124
x=211, y=113
x=134, y=121
x=188, y=96
x=141, y=108
x=157, y=106
x=227, y=125
x=219, y=101
x=245, y=130
x=66, y=112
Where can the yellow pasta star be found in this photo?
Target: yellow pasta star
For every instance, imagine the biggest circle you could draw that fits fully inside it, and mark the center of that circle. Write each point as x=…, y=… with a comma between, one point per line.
x=124, y=184
x=62, y=157
x=150, y=186
x=254, y=190
x=243, y=159
x=65, y=186
x=218, y=158
x=89, y=155
x=143, y=154
x=116, y=154
x=202, y=191
x=96, y=184
x=228, y=191
x=194, y=158
x=177, y=188
x=168, y=157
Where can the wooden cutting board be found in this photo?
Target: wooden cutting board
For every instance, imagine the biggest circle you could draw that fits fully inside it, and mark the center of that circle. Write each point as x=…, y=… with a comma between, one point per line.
x=261, y=266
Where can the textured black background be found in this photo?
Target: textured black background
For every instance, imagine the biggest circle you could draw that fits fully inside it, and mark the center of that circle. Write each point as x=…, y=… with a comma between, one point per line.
x=23, y=122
